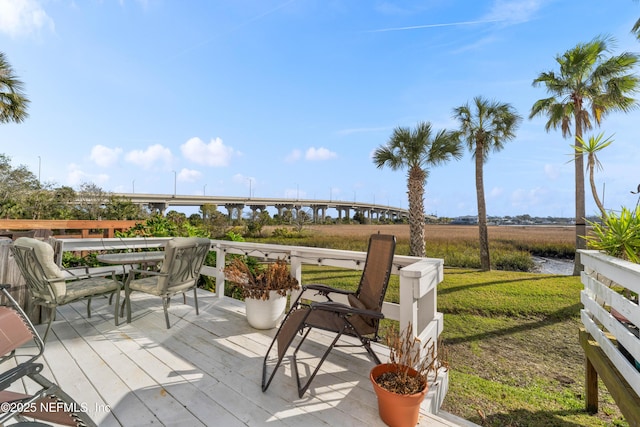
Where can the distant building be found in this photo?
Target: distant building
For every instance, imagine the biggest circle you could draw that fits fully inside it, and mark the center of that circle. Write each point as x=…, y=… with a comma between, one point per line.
x=465, y=220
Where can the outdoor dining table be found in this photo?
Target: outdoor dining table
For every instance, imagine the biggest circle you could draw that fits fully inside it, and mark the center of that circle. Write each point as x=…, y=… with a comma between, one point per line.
x=127, y=258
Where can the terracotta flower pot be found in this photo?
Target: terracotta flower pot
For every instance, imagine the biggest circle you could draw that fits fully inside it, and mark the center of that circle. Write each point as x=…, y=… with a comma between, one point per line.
x=396, y=410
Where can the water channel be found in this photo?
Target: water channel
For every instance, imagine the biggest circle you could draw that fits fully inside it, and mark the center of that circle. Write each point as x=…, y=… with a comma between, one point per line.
x=553, y=266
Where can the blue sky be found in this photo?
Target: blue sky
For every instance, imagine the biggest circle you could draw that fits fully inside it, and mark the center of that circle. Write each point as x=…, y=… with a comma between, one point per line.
x=289, y=98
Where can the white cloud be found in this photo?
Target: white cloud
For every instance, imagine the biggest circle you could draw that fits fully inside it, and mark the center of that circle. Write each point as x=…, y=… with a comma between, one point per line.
x=189, y=175
x=215, y=153
x=147, y=158
x=293, y=156
x=105, y=156
x=23, y=18
x=76, y=176
x=319, y=154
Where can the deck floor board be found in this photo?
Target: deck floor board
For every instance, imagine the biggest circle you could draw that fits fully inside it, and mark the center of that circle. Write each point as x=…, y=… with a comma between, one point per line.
x=205, y=370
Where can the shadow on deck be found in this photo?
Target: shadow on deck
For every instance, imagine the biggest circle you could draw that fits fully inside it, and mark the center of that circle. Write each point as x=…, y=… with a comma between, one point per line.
x=205, y=370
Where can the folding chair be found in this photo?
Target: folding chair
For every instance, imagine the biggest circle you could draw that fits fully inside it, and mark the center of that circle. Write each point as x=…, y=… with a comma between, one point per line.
x=360, y=319
x=49, y=403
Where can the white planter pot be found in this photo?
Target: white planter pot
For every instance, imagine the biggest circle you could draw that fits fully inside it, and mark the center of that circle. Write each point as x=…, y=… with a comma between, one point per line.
x=265, y=314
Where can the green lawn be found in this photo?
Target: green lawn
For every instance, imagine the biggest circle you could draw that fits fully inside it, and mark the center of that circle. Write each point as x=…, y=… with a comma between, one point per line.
x=512, y=340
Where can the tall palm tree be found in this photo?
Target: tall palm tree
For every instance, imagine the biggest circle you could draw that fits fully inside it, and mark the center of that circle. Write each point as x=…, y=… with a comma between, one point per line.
x=485, y=127
x=587, y=78
x=417, y=150
x=13, y=103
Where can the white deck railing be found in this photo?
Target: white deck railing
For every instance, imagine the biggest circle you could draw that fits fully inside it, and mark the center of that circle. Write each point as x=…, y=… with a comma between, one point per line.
x=609, y=283
x=419, y=277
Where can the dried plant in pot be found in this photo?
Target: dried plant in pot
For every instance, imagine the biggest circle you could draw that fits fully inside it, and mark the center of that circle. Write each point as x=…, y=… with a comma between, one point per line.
x=264, y=290
x=402, y=384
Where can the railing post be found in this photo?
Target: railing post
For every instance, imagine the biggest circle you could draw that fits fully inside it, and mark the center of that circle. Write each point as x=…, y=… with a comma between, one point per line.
x=296, y=271
x=220, y=263
x=408, y=304
x=418, y=299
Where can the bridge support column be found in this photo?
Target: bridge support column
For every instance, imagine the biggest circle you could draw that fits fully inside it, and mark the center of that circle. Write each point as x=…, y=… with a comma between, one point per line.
x=255, y=208
x=235, y=207
x=319, y=211
x=158, y=207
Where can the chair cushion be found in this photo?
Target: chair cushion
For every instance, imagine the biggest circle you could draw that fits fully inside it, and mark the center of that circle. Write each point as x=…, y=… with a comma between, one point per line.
x=44, y=254
x=86, y=287
x=149, y=285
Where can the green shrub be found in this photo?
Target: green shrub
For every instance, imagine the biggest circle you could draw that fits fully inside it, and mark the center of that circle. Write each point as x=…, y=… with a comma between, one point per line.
x=618, y=235
x=512, y=260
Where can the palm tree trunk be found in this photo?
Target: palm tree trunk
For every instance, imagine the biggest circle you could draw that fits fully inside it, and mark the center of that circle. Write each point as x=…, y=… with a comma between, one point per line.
x=581, y=228
x=416, y=211
x=485, y=259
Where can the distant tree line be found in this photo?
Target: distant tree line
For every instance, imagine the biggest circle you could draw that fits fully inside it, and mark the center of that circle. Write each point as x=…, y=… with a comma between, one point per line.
x=22, y=196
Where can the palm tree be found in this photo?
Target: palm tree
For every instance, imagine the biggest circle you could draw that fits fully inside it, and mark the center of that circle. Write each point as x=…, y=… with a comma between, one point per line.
x=13, y=103
x=417, y=150
x=485, y=126
x=586, y=76
x=591, y=148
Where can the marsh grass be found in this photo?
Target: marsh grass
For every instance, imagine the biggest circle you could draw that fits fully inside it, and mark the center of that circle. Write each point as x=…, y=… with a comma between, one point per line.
x=511, y=248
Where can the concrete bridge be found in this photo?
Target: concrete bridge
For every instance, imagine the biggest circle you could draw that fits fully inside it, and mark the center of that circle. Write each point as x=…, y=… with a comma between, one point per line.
x=235, y=205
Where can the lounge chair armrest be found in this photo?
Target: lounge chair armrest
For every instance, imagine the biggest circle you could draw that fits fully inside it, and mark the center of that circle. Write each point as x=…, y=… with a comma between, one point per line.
x=338, y=307
x=325, y=290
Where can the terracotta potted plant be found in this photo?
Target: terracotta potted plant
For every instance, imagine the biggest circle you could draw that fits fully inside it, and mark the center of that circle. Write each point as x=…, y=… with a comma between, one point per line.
x=264, y=289
x=401, y=384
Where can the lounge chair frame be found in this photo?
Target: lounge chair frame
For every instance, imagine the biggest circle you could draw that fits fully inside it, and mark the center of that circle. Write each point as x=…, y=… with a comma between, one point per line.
x=50, y=403
x=360, y=319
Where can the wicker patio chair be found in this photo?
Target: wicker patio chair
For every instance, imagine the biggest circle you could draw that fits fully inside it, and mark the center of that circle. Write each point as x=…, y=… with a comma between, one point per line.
x=49, y=403
x=360, y=319
x=183, y=258
x=51, y=286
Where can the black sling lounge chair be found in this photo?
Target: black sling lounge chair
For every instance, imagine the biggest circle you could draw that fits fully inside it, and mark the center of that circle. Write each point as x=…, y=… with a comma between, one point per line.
x=360, y=319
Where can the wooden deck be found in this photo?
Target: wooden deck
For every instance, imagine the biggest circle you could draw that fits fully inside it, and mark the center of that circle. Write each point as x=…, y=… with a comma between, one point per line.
x=205, y=370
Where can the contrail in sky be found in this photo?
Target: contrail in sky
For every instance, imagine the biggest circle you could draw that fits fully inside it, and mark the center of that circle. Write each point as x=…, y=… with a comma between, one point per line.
x=418, y=27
